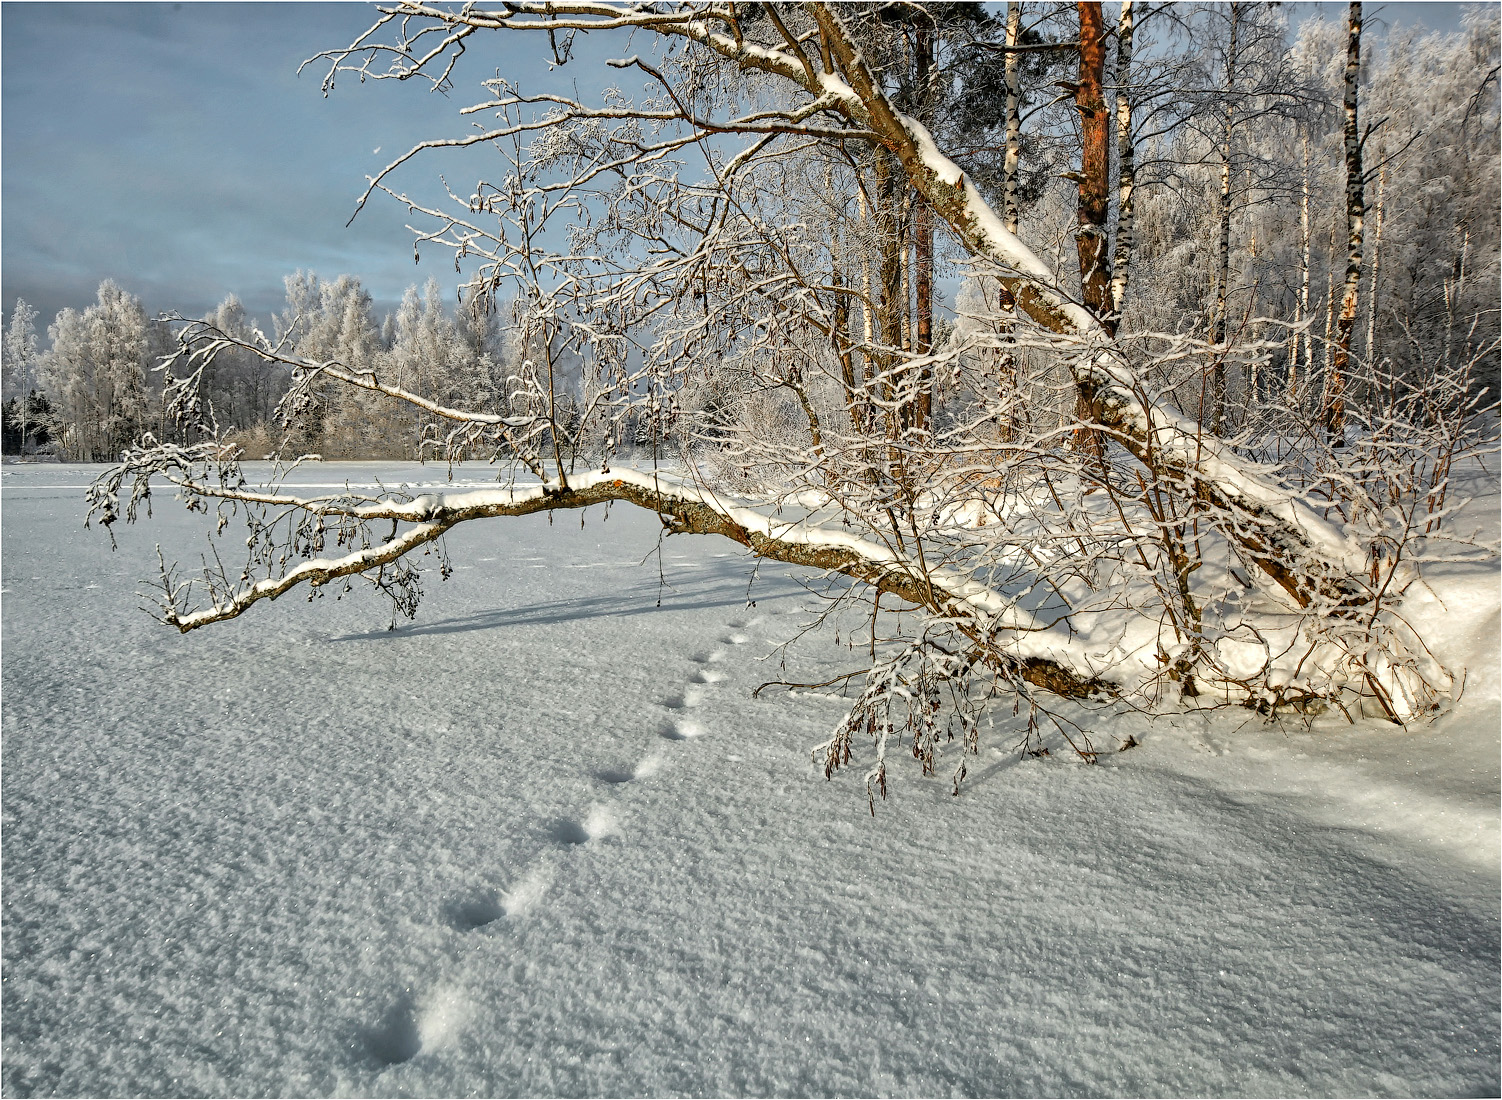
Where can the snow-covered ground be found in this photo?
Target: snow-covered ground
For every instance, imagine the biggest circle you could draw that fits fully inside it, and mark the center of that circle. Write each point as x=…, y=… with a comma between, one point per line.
x=544, y=842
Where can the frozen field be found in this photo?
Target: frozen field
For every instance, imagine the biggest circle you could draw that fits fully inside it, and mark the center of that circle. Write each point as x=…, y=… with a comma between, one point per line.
x=542, y=841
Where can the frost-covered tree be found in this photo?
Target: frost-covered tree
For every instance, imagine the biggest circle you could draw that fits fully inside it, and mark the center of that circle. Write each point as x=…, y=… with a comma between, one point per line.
x=331, y=322
x=20, y=357
x=722, y=261
x=243, y=388
x=431, y=357
x=95, y=373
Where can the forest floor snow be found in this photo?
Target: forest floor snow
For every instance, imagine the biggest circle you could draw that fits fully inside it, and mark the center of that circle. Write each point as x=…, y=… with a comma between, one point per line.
x=542, y=841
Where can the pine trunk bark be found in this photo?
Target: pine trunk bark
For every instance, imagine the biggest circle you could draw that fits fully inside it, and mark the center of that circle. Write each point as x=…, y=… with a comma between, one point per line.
x=1095, y=164
x=1094, y=202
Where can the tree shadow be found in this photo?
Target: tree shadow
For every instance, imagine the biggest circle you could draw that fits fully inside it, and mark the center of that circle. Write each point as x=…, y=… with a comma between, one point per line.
x=573, y=610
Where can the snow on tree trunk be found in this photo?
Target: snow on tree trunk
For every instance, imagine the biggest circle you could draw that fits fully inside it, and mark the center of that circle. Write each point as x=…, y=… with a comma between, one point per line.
x=1126, y=166
x=1335, y=383
x=1011, y=204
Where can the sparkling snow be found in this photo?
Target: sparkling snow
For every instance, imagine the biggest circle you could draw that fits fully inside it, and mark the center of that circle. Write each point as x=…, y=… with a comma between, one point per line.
x=543, y=841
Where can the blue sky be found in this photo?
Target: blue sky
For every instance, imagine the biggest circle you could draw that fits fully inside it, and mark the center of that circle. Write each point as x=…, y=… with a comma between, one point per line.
x=174, y=148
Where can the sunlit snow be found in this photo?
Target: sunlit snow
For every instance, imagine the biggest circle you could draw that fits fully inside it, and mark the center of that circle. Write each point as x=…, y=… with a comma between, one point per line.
x=544, y=841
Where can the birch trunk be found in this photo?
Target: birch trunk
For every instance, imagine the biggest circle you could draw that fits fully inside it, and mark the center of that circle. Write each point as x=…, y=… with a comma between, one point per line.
x=841, y=314
x=1223, y=239
x=1126, y=167
x=1371, y=286
x=923, y=244
x=1329, y=307
x=1013, y=156
x=868, y=220
x=1302, y=312
x=1335, y=382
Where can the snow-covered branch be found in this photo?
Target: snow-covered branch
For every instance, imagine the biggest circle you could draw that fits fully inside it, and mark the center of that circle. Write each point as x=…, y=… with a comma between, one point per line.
x=745, y=312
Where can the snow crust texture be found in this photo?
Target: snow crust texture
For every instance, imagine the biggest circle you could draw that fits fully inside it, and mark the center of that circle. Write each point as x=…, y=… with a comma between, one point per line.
x=543, y=842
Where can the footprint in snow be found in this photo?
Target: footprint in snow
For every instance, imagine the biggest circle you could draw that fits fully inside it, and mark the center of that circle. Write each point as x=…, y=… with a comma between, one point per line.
x=690, y=697
x=489, y=906
x=706, y=676
x=570, y=832
x=476, y=912
x=617, y=776
x=600, y=823
x=709, y=658
x=413, y=1026
x=737, y=639
x=681, y=729
x=395, y=1039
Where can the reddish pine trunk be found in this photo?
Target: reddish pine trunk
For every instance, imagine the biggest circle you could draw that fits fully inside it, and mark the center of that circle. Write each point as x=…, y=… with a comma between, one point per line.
x=1095, y=162
x=1094, y=201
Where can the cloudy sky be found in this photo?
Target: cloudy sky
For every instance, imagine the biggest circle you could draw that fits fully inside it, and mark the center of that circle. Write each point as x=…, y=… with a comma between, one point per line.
x=175, y=149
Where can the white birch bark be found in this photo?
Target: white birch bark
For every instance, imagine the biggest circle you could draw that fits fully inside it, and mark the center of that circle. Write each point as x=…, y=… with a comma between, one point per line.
x=1013, y=155
x=1126, y=163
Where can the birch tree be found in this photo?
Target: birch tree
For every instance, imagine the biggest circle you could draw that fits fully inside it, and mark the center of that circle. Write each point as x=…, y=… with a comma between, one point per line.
x=1025, y=571
x=96, y=374
x=20, y=361
x=1334, y=401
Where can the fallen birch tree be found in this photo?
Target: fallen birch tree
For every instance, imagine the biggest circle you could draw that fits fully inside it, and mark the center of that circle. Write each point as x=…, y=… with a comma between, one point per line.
x=714, y=305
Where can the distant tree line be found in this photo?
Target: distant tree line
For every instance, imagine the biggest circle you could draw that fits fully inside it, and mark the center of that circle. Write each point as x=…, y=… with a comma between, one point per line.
x=97, y=387
x=1207, y=162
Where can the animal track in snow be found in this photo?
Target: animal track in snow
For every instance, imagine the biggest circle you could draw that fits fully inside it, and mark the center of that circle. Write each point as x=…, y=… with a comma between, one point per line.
x=706, y=676
x=489, y=906
x=712, y=657
x=411, y=1027
x=737, y=638
x=395, y=1039
x=599, y=823
x=477, y=912
x=681, y=729
x=691, y=696
x=617, y=776
x=570, y=832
